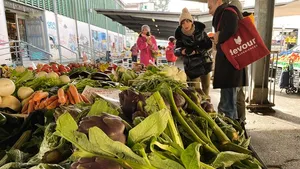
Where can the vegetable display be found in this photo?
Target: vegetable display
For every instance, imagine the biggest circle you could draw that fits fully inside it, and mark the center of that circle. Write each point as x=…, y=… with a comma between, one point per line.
x=48, y=122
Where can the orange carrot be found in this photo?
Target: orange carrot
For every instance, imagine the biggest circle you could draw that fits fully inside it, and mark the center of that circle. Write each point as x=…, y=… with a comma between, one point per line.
x=51, y=99
x=80, y=98
x=36, y=105
x=30, y=106
x=70, y=97
x=40, y=95
x=53, y=105
x=85, y=99
x=74, y=93
x=25, y=108
x=42, y=104
x=61, y=96
x=67, y=99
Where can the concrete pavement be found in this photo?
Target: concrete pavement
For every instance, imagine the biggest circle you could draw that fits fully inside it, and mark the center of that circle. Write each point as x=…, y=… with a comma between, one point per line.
x=275, y=137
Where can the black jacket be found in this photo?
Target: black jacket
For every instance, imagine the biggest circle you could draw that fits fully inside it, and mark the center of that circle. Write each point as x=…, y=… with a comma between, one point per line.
x=225, y=75
x=199, y=42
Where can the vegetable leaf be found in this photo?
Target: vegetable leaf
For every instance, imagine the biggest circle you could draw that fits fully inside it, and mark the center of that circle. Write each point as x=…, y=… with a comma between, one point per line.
x=103, y=143
x=101, y=106
x=66, y=127
x=98, y=145
x=160, y=163
x=227, y=158
x=190, y=157
x=153, y=125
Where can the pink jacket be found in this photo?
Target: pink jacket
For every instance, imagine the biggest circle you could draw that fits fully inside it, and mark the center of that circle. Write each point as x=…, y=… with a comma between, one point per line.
x=170, y=53
x=145, y=49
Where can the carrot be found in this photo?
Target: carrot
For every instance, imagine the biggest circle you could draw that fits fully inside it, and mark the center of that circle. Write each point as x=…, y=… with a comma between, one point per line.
x=70, y=97
x=25, y=108
x=80, y=98
x=30, y=106
x=85, y=99
x=40, y=95
x=67, y=99
x=51, y=99
x=74, y=93
x=53, y=105
x=36, y=105
x=42, y=104
x=61, y=96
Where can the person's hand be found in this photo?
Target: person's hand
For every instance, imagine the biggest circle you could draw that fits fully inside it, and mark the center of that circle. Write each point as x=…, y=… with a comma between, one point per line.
x=216, y=38
x=183, y=52
x=193, y=53
x=149, y=42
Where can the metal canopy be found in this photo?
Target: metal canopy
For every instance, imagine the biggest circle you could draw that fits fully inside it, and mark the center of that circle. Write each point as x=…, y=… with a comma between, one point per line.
x=162, y=24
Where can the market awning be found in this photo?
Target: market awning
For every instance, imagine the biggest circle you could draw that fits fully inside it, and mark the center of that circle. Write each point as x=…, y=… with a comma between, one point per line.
x=289, y=9
x=162, y=24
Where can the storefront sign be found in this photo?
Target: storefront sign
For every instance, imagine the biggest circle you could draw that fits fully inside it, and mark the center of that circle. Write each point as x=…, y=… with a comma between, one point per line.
x=19, y=7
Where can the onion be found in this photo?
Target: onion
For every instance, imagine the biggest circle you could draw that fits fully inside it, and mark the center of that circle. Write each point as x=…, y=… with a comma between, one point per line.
x=41, y=74
x=11, y=102
x=65, y=79
x=7, y=87
x=24, y=92
x=53, y=75
x=20, y=69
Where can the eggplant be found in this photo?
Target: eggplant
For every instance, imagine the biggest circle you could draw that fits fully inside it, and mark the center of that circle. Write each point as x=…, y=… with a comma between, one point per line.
x=179, y=100
x=83, y=74
x=129, y=103
x=111, y=125
x=100, y=76
x=208, y=107
x=95, y=163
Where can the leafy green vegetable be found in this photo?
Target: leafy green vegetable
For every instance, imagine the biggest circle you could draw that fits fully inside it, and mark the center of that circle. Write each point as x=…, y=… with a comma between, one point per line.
x=98, y=145
x=20, y=78
x=51, y=148
x=190, y=157
x=160, y=163
x=153, y=125
x=17, y=155
x=82, y=83
x=101, y=106
x=47, y=166
x=227, y=158
x=43, y=83
x=154, y=103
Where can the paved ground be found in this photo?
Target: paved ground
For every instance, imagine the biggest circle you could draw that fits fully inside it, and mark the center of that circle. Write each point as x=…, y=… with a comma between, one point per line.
x=275, y=137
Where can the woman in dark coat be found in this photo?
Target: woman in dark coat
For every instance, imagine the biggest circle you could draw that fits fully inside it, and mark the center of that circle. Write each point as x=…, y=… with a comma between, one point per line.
x=226, y=76
x=193, y=44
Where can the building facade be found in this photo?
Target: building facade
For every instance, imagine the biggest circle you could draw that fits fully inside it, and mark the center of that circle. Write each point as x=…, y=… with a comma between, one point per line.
x=64, y=28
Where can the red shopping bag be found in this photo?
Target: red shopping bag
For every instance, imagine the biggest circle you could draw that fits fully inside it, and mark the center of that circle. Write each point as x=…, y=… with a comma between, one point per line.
x=245, y=46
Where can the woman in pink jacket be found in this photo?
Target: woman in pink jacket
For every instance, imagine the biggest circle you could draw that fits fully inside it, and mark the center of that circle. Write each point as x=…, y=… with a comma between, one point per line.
x=171, y=58
x=146, y=44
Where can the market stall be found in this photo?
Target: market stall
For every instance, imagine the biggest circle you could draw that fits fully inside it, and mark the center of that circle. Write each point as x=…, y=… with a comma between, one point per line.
x=105, y=116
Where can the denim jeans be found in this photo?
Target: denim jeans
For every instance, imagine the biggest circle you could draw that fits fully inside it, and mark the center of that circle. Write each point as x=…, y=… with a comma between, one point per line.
x=227, y=104
x=241, y=104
